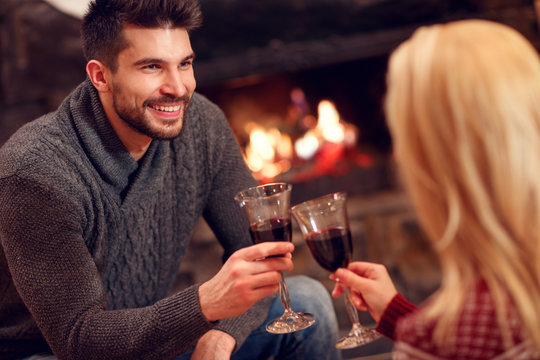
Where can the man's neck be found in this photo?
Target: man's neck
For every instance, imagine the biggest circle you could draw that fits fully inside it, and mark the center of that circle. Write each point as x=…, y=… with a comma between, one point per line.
x=135, y=142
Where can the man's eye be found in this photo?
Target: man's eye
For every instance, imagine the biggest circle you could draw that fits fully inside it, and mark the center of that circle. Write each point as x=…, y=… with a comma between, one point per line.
x=186, y=64
x=151, y=67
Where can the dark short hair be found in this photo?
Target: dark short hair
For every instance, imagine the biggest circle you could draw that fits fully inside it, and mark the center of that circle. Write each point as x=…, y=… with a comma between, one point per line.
x=102, y=25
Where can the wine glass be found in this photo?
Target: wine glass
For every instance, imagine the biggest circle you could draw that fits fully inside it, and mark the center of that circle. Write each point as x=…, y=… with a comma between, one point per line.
x=268, y=211
x=325, y=227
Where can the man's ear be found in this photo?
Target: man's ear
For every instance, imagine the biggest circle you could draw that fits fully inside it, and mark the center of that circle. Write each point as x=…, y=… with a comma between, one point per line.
x=99, y=75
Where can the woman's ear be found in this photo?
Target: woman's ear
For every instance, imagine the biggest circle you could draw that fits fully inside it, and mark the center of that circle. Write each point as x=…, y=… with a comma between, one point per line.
x=98, y=74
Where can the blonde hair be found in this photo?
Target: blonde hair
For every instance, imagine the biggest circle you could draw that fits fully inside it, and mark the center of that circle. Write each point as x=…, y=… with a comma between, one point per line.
x=463, y=107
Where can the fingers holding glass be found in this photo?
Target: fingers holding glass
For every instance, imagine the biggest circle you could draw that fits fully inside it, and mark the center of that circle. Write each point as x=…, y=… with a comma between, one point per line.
x=267, y=208
x=325, y=227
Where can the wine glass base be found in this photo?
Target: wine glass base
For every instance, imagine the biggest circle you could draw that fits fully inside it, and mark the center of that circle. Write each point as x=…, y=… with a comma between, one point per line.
x=288, y=323
x=358, y=337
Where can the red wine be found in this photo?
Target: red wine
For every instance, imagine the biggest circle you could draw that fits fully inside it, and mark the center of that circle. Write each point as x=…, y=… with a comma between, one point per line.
x=271, y=230
x=332, y=248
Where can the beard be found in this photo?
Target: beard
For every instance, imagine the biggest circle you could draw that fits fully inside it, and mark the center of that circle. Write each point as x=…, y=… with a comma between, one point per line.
x=142, y=122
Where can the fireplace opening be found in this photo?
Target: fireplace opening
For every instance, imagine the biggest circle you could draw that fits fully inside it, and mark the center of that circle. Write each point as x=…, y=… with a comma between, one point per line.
x=321, y=129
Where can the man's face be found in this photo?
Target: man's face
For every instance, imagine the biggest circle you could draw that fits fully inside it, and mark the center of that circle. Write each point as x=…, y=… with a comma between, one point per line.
x=154, y=81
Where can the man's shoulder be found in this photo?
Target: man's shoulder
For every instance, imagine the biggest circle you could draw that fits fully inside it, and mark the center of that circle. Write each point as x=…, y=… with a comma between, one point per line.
x=203, y=108
x=41, y=142
x=199, y=99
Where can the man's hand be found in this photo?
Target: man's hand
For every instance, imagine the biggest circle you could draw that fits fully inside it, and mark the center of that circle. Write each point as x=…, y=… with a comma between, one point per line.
x=249, y=275
x=215, y=345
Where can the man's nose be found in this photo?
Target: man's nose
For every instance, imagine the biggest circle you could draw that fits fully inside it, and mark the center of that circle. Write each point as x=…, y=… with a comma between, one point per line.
x=175, y=84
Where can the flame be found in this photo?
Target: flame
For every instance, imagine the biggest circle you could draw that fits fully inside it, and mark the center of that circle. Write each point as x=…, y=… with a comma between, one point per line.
x=262, y=143
x=307, y=145
x=329, y=128
x=328, y=123
x=270, y=152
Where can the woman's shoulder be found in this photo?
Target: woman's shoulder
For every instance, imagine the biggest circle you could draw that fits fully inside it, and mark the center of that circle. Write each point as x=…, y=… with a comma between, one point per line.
x=478, y=335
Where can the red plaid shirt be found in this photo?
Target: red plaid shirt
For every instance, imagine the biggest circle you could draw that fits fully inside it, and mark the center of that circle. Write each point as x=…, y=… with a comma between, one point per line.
x=478, y=335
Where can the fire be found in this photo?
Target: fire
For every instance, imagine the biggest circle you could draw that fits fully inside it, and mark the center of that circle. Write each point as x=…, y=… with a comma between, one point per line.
x=268, y=152
x=329, y=128
x=329, y=124
x=271, y=152
x=307, y=145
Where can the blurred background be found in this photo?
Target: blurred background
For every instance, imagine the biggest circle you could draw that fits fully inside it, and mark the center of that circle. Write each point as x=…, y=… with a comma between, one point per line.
x=302, y=83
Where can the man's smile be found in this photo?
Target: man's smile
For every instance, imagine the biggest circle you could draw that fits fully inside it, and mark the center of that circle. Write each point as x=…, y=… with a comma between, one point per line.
x=167, y=108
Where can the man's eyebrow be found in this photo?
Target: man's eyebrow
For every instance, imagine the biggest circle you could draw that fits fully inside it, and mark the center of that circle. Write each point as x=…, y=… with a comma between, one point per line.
x=147, y=61
x=189, y=57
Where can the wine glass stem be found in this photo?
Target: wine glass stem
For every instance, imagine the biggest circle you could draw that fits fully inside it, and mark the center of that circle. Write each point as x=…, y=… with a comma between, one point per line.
x=351, y=310
x=284, y=293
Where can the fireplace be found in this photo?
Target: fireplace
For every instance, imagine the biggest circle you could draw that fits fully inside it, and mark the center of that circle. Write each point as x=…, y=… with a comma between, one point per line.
x=320, y=129
x=274, y=66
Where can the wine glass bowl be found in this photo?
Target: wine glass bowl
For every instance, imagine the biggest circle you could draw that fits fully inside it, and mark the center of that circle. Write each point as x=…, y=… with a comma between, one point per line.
x=275, y=229
x=325, y=227
x=331, y=248
x=267, y=208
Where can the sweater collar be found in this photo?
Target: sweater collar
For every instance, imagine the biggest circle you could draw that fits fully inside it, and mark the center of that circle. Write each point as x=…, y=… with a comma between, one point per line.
x=101, y=143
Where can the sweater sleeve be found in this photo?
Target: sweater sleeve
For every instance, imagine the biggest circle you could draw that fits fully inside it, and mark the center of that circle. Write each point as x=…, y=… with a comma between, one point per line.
x=397, y=308
x=56, y=277
x=229, y=175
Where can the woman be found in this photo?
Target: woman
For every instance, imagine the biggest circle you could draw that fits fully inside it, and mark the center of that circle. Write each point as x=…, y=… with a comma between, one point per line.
x=463, y=107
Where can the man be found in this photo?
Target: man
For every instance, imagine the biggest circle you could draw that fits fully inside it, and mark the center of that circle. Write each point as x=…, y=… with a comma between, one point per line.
x=98, y=201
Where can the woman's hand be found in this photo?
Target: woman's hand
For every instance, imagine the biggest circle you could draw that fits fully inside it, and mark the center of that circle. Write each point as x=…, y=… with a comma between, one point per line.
x=371, y=287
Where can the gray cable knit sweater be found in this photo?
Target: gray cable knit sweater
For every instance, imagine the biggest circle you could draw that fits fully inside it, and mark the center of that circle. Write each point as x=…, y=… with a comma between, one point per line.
x=92, y=240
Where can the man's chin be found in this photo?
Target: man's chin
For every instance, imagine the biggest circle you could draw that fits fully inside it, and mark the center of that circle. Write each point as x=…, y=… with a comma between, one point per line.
x=166, y=129
x=163, y=129
x=165, y=134
x=156, y=128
